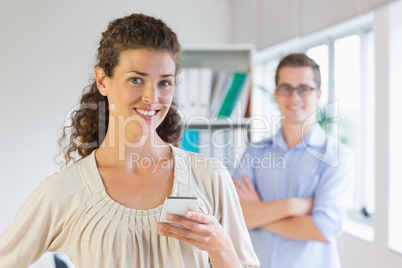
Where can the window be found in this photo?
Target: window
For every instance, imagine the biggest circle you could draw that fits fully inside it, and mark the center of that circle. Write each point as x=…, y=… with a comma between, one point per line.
x=395, y=182
x=347, y=91
x=320, y=55
x=353, y=69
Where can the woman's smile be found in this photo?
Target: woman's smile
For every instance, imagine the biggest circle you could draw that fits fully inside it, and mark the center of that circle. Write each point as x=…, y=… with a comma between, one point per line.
x=146, y=113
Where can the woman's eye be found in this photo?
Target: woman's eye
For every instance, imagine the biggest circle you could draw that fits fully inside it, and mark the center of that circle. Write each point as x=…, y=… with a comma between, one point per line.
x=165, y=83
x=136, y=80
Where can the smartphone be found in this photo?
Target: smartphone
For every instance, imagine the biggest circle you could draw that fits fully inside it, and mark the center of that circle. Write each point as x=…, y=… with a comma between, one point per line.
x=178, y=205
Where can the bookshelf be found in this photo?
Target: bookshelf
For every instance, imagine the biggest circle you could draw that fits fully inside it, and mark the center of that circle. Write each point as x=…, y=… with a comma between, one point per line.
x=231, y=58
x=214, y=105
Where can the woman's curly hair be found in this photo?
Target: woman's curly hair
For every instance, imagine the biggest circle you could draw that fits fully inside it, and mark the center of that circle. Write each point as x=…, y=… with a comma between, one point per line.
x=89, y=123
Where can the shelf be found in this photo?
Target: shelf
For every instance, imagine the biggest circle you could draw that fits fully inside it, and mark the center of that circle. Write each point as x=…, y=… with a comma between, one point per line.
x=223, y=69
x=225, y=57
x=217, y=124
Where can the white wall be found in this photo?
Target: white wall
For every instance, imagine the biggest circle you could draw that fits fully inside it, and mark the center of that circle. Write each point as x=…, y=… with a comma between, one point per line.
x=47, y=52
x=274, y=21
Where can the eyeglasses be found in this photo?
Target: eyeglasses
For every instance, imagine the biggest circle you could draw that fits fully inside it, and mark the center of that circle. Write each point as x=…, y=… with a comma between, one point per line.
x=286, y=90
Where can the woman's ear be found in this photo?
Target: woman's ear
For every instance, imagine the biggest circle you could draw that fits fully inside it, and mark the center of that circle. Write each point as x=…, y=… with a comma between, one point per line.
x=101, y=81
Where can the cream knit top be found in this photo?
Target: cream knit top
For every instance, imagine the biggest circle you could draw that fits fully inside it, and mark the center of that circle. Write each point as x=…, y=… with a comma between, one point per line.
x=71, y=212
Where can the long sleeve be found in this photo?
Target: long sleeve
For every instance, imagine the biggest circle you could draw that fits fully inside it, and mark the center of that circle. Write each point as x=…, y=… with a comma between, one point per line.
x=334, y=194
x=231, y=218
x=244, y=166
x=32, y=231
x=234, y=224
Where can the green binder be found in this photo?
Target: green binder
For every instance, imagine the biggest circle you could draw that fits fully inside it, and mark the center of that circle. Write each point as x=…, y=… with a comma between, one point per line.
x=232, y=95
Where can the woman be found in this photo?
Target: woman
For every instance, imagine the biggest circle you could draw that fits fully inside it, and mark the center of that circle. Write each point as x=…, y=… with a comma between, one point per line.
x=103, y=211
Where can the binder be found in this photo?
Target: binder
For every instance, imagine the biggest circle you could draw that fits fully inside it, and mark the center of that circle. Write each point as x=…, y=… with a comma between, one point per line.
x=193, y=81
x=181, y=92
x=241, y=105
x=204, y=91
x=221, y=87
x=232, y=95
x=190, y=140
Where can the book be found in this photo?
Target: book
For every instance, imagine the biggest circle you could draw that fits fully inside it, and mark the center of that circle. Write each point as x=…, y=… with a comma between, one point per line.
x=232, y=95
x=241, y=105
x=204, y=91
x=204, y=142
x=190, y=140
x=181, y=92
x=193, y=81
x=223, y=80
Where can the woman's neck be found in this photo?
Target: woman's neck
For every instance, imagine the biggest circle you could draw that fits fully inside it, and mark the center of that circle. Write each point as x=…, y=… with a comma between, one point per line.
x=119, y=151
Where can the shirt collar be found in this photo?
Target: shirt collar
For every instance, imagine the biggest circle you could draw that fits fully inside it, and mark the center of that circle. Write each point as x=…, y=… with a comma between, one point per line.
x=278, y=141
x=316, y=138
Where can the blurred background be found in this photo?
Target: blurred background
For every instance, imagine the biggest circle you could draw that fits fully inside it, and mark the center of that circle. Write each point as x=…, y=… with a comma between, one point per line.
x=47, y=55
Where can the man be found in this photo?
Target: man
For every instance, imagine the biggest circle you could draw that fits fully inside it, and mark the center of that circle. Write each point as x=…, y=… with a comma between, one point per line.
x=294, y=211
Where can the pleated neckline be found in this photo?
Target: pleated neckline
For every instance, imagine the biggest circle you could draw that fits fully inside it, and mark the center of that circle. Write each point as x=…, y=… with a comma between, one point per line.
x=94, y=182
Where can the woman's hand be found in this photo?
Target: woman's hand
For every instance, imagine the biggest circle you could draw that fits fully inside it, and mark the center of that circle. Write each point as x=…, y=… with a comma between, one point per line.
x=204, y=232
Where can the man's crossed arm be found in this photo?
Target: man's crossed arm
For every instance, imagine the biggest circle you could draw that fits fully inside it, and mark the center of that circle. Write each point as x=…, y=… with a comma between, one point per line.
x=290, y=218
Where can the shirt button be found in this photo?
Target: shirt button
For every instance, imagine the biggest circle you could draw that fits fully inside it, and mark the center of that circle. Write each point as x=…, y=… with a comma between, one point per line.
x=275, y=255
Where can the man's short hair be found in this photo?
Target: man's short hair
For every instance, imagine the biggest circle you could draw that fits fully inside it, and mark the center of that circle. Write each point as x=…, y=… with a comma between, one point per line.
x=299, y=60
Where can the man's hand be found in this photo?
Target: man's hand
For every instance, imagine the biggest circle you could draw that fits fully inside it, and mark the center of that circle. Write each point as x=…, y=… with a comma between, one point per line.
x=246, y=190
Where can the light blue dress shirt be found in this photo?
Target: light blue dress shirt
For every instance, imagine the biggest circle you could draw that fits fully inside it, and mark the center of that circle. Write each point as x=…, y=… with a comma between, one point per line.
x=319, y=167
